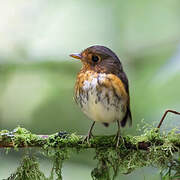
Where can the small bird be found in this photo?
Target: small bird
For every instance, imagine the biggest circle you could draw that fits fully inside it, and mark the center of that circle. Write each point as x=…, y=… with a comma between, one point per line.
x=102, y=89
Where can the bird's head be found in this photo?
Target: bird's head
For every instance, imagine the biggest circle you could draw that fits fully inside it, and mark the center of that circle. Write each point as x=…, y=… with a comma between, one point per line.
x=99, y=59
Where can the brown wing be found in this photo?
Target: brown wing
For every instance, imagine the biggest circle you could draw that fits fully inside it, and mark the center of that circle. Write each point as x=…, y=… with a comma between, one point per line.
x=128, y=116
x=121, y=90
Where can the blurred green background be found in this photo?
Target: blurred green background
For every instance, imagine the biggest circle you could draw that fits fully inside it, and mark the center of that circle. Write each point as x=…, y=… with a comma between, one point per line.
x=37, y=75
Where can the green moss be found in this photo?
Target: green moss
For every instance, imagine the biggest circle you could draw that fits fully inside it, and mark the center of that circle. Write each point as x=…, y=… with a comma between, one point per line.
x=23, y=137
x=28, y=169
x=160, y=154
x=152, y=148
x=58, y=157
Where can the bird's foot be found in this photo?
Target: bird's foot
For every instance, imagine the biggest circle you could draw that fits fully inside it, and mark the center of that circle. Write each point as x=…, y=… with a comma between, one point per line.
x=87, y=138
x=117, y=139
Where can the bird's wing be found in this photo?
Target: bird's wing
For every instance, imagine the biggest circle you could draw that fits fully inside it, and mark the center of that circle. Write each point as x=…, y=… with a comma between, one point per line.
x=121, y=91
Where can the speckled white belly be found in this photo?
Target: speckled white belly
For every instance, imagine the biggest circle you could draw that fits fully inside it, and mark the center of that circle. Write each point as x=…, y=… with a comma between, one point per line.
x=101, y=106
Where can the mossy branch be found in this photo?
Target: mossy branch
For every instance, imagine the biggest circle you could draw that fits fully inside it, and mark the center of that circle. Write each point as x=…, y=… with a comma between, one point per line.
x=152, y=148
x=22, y=138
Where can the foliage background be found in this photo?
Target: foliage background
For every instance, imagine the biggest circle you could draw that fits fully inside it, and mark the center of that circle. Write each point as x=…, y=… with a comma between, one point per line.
x=37, y=75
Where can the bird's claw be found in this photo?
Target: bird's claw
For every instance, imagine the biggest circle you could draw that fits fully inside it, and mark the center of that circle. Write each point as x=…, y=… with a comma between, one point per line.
x=87, y=138
x=117, y=139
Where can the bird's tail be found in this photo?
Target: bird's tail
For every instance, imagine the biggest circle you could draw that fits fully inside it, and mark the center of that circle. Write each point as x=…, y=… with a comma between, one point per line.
x=126, y=118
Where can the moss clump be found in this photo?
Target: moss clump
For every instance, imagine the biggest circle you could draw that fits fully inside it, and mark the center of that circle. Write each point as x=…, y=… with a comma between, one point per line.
x=23, y=137
x=162, y=153
x=19, y=137
x=28, y=170
x=59, y=156
x=56, y=149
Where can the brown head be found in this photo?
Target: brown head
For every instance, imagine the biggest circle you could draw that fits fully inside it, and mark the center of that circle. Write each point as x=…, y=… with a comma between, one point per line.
x=99, y=59
x=102, y=60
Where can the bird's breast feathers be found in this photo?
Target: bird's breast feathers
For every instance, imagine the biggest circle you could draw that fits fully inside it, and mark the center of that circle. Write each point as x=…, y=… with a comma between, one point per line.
x=102, y=97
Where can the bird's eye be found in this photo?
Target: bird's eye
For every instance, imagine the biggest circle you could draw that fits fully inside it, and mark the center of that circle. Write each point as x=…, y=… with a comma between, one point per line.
x=95, y=58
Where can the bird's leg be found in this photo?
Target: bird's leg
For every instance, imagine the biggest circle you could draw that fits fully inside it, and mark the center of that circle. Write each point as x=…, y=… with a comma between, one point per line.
x=118, y=135
x=89, y=135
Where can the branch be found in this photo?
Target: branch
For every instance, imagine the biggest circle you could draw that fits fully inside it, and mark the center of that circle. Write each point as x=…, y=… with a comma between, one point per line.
x=22, y=138
x=149, y=149
x=165, y=114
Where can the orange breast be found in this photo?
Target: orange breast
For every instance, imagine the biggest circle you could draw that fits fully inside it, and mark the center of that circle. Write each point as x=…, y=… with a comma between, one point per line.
x=102, y=97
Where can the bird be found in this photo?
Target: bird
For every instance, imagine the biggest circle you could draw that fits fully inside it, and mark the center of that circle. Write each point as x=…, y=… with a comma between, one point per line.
x=101, y=89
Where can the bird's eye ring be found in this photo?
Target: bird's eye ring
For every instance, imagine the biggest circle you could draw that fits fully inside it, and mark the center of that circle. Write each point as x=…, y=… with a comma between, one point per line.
x=95, y=58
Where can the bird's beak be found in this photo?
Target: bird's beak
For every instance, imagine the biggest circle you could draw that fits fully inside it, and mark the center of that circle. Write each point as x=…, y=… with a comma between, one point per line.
x=76, y=55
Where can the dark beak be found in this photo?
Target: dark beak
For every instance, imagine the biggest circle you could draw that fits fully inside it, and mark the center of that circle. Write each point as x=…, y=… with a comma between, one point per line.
x=76, y=55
